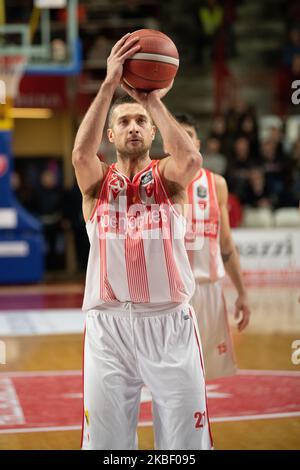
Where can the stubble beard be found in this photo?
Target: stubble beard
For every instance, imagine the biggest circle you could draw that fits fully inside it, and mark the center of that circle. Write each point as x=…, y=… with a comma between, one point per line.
x=133, y=154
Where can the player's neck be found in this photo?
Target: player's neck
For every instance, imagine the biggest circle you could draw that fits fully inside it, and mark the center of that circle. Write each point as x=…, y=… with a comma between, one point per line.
x=131, y=166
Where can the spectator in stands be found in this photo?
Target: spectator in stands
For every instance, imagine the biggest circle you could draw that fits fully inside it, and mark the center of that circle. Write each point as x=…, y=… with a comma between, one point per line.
x=295, y=169
x=214, y=159
x=219, y=131
x=236, y=114
x=275, y=134
x=272, y=166
x=239, y=167
x=293, y=47
x=48, y=208
x=211, y=19
x=73, y=213
x=257, y=193
x=22, y=189
x=247, y=127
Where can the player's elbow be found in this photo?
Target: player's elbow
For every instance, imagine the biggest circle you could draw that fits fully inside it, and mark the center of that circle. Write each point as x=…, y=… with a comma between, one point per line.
x=78, y=157
x=194, y=161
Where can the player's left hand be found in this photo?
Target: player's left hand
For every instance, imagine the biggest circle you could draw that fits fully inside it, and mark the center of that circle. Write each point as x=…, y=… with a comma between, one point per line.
x=144, y=98
x=242, y=312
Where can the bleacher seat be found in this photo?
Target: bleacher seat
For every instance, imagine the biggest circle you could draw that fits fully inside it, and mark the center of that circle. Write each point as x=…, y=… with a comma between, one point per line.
x=287, y=217
x=261, y=217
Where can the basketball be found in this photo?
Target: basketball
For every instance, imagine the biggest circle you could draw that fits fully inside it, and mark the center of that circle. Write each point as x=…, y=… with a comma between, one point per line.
x=156, y=63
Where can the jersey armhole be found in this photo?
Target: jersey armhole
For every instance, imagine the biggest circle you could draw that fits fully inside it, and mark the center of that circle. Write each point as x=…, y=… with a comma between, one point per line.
x=212, y=181
x=160, y=180
x=90, y=219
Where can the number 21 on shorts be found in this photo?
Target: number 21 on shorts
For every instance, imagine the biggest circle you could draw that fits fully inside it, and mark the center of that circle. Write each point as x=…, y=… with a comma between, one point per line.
x=200, y=419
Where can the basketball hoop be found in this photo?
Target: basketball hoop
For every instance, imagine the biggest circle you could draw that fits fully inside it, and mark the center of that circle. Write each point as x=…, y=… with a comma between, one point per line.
x=11, y=71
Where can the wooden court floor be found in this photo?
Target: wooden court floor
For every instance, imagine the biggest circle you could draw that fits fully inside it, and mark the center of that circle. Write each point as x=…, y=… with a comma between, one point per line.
x=265, y=346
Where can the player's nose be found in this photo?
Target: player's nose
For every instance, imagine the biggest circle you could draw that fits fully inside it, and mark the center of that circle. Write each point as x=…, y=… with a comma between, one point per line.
x=133, y=128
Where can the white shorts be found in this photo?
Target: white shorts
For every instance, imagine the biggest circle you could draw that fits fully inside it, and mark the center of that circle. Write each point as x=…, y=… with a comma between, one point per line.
x=209, y=304
x=125, y=350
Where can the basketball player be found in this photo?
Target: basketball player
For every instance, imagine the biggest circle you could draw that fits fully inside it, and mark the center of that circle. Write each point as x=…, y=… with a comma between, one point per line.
x=140, y=328
x=208, y=192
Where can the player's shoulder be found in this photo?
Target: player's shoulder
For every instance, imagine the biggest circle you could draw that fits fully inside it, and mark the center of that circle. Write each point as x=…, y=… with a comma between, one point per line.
x=221, y=188
x=220, y=181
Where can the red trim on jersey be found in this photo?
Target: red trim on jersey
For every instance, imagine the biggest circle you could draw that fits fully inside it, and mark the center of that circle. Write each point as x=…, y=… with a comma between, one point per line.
x=114, y=167
x=198, y=176
x=201, y=362
x=214, y=215
x=136, y=269
x=175, y=282
x=191, y=219
x=106, y=291
x=159, y=179
x=83, y=413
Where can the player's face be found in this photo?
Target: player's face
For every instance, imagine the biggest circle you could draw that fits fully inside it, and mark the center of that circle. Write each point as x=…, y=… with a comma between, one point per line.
x=191, y=131
x=132, y=131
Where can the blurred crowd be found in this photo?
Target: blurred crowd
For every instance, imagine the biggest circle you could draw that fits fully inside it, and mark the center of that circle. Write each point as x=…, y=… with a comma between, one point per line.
x=40, y=190
x=259, y=158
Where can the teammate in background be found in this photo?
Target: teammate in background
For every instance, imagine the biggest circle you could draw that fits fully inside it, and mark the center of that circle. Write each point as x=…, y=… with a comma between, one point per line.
x=140, y=328
x=208, y=192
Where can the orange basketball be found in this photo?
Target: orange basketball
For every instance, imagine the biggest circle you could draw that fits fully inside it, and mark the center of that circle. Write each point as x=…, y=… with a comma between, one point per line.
x=155, y=65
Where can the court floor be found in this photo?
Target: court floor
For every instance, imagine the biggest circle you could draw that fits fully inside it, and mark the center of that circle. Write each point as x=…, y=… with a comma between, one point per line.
x=40, y=383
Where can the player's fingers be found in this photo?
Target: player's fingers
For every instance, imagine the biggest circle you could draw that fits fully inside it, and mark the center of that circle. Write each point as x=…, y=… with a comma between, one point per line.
x=244, y=321
x=120, y=43
x=128, y=89
x=130, y=43
x=129, y=53
x=236, y=312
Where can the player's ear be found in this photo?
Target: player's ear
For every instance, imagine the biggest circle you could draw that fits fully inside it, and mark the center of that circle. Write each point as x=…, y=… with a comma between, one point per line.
x=110, y=135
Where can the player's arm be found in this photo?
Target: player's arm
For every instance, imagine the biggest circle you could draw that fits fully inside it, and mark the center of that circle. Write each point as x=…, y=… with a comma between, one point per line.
x=230, y=256
x=184, y=161
x=88, y=167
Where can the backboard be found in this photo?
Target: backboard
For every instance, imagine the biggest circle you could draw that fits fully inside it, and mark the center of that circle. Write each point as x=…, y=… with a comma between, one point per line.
x=45, y=31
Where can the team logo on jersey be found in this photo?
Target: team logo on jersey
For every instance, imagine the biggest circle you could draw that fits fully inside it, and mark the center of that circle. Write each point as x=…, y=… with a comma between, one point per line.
x=147, y=182
x=201, y=191
x=116, y=184
x=202, y=205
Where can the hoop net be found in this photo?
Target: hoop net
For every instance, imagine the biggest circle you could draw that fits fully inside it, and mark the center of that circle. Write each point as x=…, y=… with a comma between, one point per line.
x=11, y=71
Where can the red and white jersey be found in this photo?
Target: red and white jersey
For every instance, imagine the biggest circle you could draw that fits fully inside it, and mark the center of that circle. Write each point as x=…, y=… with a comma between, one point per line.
x=137, y=251
x=206, y=262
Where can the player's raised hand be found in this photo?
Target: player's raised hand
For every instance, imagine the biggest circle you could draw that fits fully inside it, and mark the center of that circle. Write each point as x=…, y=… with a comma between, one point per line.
x=143, y=97
x=120, y=52
x=242, y=312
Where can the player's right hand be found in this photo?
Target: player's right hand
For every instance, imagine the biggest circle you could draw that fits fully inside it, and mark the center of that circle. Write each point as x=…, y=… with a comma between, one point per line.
x=119, y=53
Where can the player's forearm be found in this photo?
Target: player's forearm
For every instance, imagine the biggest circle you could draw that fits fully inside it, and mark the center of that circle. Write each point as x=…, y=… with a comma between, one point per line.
x=176, y=141
x=233, y=269
x=90, y=132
